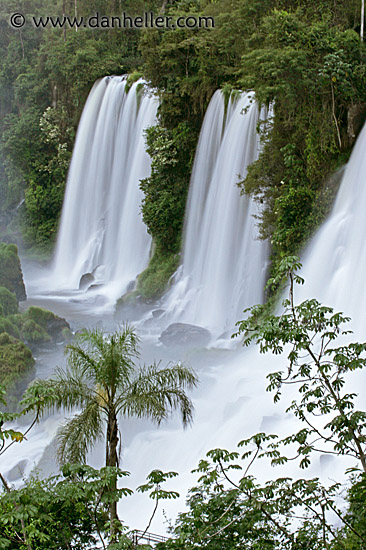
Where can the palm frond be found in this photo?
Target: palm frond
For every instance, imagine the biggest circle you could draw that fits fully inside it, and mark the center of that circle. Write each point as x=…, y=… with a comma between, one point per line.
x=107, y=360
x=79, y=434
x=156, y=392
x=80, y=362
x=62, y=392
x=101, y=377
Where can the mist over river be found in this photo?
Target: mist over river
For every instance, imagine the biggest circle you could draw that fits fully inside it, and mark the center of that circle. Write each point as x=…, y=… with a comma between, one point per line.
x=230, y=402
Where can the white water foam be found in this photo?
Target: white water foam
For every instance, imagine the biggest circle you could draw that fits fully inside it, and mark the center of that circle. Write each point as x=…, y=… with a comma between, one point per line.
x=231, y=402
x=223, y=262
x=101, y=231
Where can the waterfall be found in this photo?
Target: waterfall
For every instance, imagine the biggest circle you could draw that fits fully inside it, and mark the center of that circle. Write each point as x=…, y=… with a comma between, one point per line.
x=232, y=403
x=101, y=231
x=224, y=264
x=335, y=260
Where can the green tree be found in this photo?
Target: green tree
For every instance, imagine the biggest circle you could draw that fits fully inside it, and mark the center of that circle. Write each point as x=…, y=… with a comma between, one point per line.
x=68, y=511
x=228, y=508
x=103, y=381
x=317, y=367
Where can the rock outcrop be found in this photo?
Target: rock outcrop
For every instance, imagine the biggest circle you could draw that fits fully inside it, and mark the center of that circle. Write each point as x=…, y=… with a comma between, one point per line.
x=182, y=334
x=11, y=276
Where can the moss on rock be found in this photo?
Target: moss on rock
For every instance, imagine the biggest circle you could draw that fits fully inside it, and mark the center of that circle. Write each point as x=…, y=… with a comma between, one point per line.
x=30, y=332
x=153, y=281
x=38, y=326
x=15, y=360
x=31, y=328
x=11, y=276
x=7, y=325
x=57, y=327
x=8, y=302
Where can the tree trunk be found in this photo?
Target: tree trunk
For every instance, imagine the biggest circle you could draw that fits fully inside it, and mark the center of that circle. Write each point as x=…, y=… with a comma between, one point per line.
x=112, y=460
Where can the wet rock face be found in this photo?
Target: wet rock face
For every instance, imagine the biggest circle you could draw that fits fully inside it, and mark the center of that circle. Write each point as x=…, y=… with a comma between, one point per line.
x=86, y=280
x=56, y=328
x=157, y=313
x=182, y=334
x=11, y=276
x=355, y=119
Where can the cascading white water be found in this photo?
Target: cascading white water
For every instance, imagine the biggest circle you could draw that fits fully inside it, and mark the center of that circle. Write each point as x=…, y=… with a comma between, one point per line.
x=101, y=231
x=224, y=263
x=231, y=402
x=335, y=260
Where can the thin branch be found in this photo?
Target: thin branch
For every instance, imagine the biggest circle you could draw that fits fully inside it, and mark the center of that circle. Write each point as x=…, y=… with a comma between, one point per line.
x=347, y=524
x=24, y=435
x=218, y=519
x=226, y=476
x=251, y=462
x=334, y=116
x=150, y=521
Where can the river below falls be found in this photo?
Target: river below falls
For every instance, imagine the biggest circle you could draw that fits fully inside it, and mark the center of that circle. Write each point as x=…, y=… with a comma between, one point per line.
x=230, y=404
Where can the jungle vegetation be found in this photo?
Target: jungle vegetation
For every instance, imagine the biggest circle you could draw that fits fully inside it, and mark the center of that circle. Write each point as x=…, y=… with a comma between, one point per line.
x=306, y=59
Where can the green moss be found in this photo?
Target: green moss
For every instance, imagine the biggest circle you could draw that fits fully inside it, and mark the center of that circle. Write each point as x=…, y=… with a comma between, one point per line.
x=11, y=276
x=15, y=360
x=7, y=325
x=29, y=331
x=38, y=326
x=128, y=299
x=153, y=281
x=40, y=316
x=8, y=302
x=132, y=78
x=17, y=330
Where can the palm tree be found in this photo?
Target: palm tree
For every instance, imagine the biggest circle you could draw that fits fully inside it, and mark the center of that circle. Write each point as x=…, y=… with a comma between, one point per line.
x=103, y=381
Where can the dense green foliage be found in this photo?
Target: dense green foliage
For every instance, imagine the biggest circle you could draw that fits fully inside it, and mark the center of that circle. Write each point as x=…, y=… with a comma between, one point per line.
x=305, y=58
x=67, y=511
x=45, y=76
x=166, y=189
x=163, y=206
x=312, y=69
